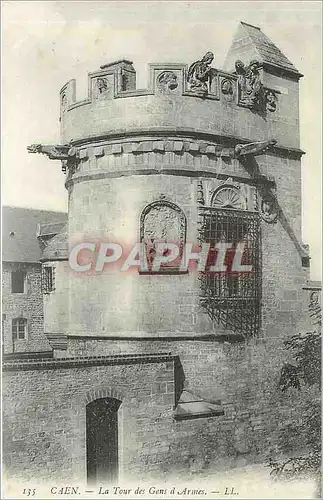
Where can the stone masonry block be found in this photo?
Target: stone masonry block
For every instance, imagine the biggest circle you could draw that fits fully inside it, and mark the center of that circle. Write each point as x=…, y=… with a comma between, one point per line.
x=194, y=147
x=178, y=146
x=83, y=154
x=116, y=149
x=98, y=151
x=159, y=146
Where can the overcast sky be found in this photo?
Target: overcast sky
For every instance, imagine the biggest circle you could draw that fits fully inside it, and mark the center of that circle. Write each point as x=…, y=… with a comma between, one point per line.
x=45, y=44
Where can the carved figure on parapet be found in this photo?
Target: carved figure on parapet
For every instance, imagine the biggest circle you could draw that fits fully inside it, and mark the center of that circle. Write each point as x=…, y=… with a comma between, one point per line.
x=250, y=86
x=199, y=74
x=67, y=154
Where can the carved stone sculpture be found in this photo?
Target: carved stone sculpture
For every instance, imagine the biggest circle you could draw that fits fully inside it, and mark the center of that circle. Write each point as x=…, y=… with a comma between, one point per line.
x=314, y=298
x=200, y=193
x=253, y=148
x=167, y=80
x=268, y=207
x=250, y=86
x=227, y=87
x=271, y=99
x=162, y=222
x=67, y=154
x=102, y=85
x=228, y=197
x=199, y=74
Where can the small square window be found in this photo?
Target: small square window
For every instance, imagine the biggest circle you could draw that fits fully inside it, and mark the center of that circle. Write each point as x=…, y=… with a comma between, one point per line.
x=48, y=279
x=19, y=329
x=18, y=281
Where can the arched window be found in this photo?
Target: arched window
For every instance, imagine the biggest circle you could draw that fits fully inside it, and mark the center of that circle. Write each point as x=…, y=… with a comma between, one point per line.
x=19, y=329
x=163, y=222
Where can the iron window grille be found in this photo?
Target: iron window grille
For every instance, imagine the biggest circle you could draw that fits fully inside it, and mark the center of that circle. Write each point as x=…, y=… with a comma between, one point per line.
x=48, y=279
x=19, y=329
x=233, y=299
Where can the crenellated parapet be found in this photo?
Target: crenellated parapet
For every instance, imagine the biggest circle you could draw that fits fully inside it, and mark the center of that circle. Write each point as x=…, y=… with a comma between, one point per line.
x=198, y=97
x=118, y=80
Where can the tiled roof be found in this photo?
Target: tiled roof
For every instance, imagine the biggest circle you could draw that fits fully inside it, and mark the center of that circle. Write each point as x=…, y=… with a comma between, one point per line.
x=251, y=42
x=267, y=49
x=19, y=228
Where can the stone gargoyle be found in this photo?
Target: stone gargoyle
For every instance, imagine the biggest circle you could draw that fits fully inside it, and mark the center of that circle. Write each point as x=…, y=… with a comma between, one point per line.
x=253, y=148
x=54, y=152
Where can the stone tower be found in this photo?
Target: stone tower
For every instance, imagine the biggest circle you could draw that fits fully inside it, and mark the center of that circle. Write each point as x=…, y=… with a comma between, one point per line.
x=168, y=156
x=201, y=155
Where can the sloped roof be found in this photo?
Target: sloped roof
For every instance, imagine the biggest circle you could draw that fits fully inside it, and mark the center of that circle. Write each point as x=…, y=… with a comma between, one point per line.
x=57, y=247
x=48, y=229
x=250, y=42
x=190, y=406
x=19, y=227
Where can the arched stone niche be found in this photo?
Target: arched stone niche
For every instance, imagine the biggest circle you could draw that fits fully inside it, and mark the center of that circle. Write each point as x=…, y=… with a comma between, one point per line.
x=162, y=222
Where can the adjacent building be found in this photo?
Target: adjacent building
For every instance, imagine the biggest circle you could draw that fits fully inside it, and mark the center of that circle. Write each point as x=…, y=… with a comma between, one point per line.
x=25, y=285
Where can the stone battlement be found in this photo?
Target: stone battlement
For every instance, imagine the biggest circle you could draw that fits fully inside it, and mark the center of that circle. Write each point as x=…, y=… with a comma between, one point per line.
x=110, y=82
x=170, y=102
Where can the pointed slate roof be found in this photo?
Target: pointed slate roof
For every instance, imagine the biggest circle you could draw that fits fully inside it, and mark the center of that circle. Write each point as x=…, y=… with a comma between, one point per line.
x=250, y=43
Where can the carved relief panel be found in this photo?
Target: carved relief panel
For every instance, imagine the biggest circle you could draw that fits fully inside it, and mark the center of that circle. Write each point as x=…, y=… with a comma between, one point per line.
x=232, y=195
x=162, y=222
x=167, y=79
x=102, y=86
x=228, y=89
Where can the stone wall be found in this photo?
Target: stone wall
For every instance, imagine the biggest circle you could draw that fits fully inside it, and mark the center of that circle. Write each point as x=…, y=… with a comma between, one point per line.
x=28, y=305
x=56, y=305
x=45, y=414
x=45, y=405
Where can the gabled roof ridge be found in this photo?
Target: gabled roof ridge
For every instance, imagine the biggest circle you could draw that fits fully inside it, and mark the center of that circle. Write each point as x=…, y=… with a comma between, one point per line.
x=251, y=25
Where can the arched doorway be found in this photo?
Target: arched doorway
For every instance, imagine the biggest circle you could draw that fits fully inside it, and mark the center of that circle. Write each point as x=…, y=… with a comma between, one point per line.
x=102, y=440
